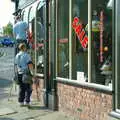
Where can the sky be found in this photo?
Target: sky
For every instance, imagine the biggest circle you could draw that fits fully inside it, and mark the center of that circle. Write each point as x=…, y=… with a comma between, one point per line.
x=6, y=9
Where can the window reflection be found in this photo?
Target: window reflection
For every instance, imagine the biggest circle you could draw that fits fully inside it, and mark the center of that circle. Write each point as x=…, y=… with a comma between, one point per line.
x=40, y=32
x=62, y=40
x=79, y=40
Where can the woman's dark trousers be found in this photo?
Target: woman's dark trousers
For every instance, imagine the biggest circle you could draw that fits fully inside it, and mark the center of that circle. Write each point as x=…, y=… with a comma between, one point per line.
x=25, y=91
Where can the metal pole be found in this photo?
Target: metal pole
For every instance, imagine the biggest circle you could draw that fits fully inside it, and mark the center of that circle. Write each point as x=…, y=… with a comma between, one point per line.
x=46, y=55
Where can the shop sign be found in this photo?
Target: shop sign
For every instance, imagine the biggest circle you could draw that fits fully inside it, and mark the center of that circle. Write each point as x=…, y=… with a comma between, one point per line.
x=79, y=30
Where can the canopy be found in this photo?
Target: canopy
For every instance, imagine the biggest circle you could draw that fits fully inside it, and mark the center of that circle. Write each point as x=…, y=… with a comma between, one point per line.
x=25, y=14
x=30, y=11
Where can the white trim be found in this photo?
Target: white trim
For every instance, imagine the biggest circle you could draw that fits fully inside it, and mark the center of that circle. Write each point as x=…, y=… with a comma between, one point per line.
x=39, y=75
x=89, y=41
x=70, y=39
x=116, y=52
x=114, y=115
x=91, y=85
x=56, y=36
x=118, y=110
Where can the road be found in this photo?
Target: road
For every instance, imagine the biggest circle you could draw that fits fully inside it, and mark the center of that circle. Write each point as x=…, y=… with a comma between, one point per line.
x=6, y=70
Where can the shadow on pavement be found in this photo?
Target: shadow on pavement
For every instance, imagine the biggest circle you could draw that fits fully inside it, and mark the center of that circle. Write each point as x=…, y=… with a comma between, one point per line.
x=32, y=107
x=5, y=83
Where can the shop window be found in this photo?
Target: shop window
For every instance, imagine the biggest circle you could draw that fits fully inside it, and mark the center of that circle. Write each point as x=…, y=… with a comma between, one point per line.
x=31, y=36
x=63, y=39
x=79, y=40
x=101, y=42
x=40, y=34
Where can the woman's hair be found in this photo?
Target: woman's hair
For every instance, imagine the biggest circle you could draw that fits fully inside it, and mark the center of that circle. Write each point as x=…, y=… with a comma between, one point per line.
x=22, y=46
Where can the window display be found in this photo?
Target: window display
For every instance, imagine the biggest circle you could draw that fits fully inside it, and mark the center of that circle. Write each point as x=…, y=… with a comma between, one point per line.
x=62, y=39
x=101, y=43
x=79, y=40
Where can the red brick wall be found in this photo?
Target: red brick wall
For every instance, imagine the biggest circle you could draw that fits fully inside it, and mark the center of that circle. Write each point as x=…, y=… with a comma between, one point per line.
x=84, y=103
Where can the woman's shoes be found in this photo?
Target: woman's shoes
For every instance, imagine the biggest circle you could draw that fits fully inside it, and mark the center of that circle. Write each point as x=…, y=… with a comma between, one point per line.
x=24, y=105
x=21, y=104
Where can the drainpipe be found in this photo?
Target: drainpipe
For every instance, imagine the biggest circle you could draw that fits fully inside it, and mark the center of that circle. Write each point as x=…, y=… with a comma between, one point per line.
x=46, y=57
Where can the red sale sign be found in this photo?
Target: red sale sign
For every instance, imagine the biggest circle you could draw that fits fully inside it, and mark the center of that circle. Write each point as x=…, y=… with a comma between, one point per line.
x=79, y=30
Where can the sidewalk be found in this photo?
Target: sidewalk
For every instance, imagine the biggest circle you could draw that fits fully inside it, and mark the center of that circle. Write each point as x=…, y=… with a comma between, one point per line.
x=10, y=110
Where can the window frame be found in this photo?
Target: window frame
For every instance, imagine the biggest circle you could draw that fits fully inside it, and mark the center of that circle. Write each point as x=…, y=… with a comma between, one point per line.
x=116, y=60
x=70, y=48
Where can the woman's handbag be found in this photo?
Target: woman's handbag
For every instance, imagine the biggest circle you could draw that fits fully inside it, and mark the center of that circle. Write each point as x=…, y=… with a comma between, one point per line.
x=27, y=77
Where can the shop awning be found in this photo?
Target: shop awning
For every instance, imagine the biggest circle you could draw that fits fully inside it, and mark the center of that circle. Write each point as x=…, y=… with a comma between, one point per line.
x=33, y=10
x=42, y=3
x=25, y=14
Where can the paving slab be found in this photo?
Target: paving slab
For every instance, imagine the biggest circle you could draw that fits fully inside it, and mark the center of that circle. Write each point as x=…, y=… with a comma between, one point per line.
x=7, y=111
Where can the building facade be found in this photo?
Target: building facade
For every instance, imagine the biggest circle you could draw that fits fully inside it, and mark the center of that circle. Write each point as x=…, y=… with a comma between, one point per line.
x=75, y=48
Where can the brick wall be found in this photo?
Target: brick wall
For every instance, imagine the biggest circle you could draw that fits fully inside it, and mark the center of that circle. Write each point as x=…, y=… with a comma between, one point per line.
x=84, y=103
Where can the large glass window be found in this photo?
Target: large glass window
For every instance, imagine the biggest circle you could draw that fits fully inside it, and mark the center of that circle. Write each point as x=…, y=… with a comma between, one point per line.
x=63, y=38
x=40, y=33
x=79, y=40
x=101, y=42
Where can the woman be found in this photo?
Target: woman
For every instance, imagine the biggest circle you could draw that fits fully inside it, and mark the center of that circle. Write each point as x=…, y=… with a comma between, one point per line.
x=22, y=62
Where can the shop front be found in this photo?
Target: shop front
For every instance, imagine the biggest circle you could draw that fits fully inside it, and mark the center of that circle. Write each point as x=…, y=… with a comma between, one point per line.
x=87, y=68
x=85, y=58
x=75, y=48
